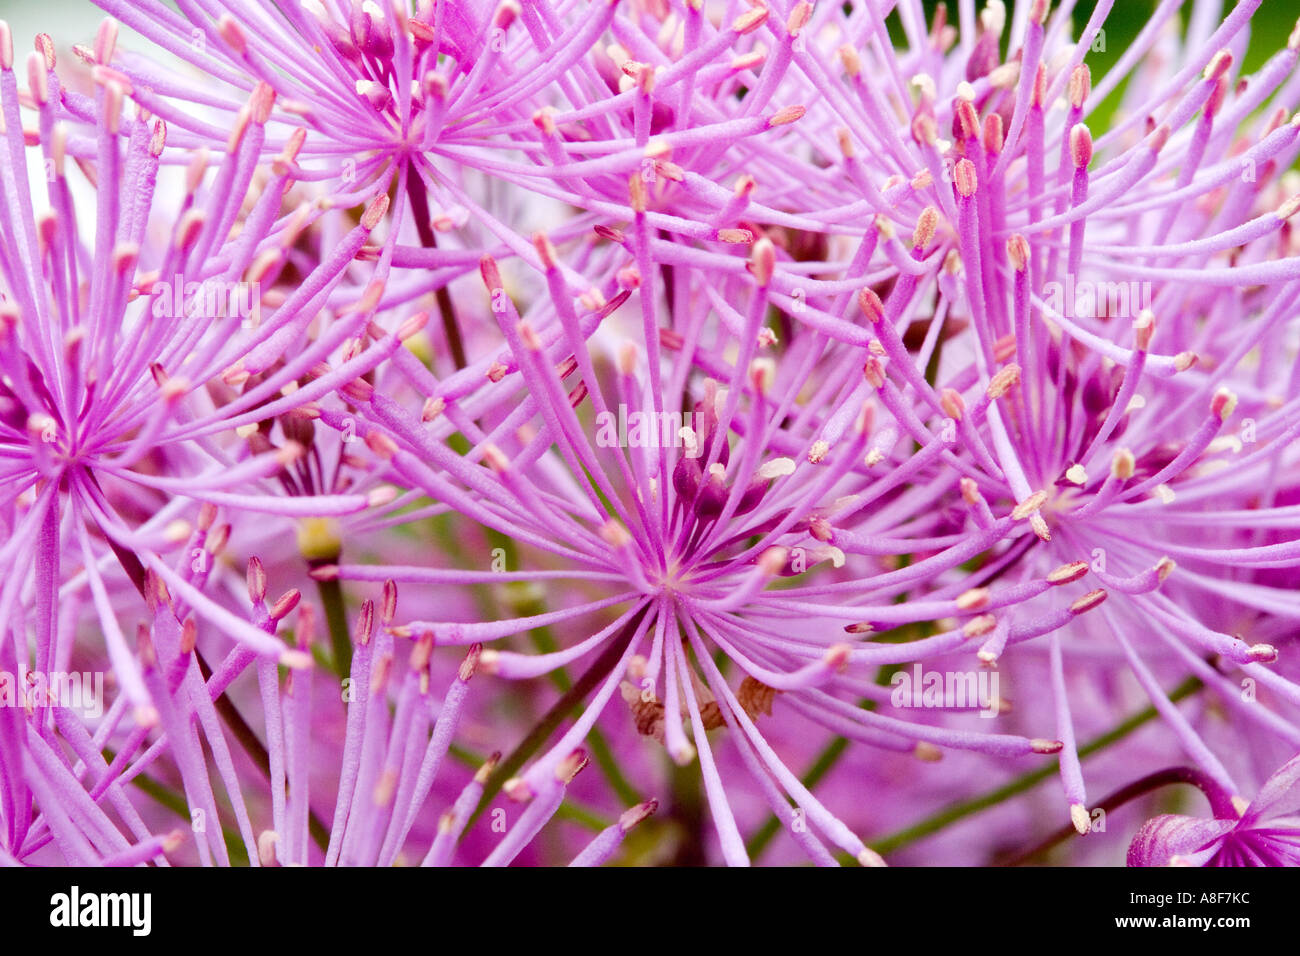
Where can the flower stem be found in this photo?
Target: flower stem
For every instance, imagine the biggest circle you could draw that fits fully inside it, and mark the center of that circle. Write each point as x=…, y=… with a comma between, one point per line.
x=688, y=813
x=571, y=809
x=1220, y=803
x=419, y=198
x=959, y=811
x=821, y=765
x=825, y=761
x=336, y=617
x=544, y=642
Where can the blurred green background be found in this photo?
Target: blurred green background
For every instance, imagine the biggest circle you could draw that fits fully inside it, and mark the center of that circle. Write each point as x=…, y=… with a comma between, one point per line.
x=1270, y=27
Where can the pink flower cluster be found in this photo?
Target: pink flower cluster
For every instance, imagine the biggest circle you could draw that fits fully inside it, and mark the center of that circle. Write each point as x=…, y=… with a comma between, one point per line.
x=647, y=431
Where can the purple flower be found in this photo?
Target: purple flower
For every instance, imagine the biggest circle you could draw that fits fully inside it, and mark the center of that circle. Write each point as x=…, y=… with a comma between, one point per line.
x=136, y=357
x=1265, y=832
x=692, y=522
x=809, y=356
x=492, y=122
x=1137, y=431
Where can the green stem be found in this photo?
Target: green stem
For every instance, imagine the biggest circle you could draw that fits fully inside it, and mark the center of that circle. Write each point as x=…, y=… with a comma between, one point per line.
x=822, y=765
x=959, y=811
x=336, y=617
x=570, y=809
x=603, y=756
x=688, y=812
x=231, y=717
x=586, y=818
x=415, y=191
